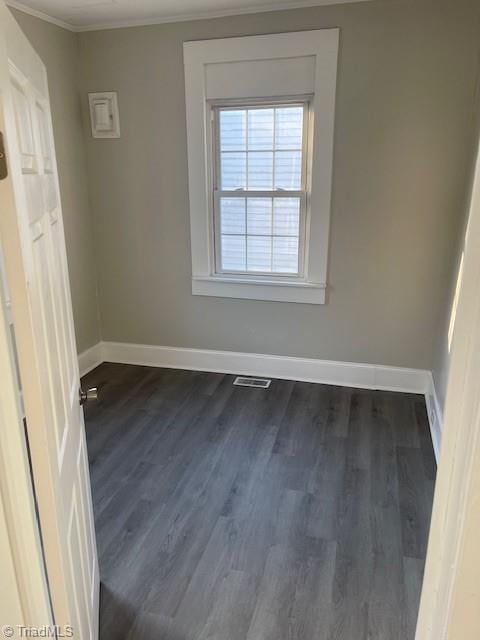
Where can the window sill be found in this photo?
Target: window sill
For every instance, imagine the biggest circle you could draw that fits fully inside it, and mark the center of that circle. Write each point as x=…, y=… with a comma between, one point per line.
x=272, y=290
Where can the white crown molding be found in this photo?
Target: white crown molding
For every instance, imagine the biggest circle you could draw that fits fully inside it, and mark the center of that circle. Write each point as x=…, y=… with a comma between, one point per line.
x=199, y=15
x=349, y=374
x=39, y=14
x=205, y=15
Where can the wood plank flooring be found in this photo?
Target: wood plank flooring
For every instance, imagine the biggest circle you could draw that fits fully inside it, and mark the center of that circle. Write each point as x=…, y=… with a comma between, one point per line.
x=300, y=512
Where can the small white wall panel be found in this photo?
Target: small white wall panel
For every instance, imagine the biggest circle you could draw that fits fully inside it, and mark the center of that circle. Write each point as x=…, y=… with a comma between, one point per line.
x=104, y=115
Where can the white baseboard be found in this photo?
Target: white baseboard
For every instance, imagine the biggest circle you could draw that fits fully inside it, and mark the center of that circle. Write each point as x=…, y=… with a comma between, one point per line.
x=435, y=416
x=91, y=358
x=347, y=374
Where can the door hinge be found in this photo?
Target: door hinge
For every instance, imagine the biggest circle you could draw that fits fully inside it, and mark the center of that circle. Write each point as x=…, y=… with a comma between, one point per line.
x=3, y=160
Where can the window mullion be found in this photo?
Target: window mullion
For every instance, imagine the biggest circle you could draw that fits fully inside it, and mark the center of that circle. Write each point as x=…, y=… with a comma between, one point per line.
x=259, y=194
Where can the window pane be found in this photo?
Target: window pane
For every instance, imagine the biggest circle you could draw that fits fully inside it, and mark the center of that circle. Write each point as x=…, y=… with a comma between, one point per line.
x=260, y=129
x=288, y=128
x=234, y=171
x=286, y=216
x=259, y=216
x=260, y=170
x=259, y=253
x=285, y=255
x=261, y=149
x=232, y=216
x=233, y=130
x=288, y=170
x=233, y=253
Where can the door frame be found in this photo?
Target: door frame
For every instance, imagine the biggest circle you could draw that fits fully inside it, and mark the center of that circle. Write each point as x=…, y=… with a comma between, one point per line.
x=449, y=607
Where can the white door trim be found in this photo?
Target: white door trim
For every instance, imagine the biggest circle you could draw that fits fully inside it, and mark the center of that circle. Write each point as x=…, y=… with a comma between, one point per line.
x=449, y=606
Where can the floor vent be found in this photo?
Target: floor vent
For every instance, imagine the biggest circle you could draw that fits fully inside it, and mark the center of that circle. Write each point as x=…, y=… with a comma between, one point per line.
x=259, y=383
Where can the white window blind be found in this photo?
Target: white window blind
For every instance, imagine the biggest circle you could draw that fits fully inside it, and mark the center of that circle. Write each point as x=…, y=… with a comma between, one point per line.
x=259, y=190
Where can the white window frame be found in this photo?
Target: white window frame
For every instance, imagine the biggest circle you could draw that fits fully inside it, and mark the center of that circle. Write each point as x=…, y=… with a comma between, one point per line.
x=206, y=279
x=302, y=193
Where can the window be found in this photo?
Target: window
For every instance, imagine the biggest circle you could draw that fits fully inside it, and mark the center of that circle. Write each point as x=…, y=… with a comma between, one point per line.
x=260, y=189
x=260, y=123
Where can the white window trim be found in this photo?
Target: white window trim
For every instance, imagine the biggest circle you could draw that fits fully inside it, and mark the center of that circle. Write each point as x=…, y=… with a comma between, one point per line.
x=323, y=44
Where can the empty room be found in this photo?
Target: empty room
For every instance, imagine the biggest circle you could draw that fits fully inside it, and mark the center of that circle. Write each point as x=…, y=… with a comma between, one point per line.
x=240, y=319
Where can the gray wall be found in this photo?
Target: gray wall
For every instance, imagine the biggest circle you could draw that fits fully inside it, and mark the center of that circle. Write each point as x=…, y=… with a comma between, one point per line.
x=402, y=151
x=59, y=50
x=442, y=349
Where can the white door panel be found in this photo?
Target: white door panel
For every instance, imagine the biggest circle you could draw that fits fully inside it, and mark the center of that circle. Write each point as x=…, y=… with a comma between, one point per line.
x=43, y=318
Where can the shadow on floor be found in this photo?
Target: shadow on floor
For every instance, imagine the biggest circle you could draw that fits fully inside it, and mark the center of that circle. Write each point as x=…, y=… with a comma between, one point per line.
x=126, y=622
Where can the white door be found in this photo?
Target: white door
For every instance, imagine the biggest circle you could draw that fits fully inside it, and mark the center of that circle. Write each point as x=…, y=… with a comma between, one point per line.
x=36, y=265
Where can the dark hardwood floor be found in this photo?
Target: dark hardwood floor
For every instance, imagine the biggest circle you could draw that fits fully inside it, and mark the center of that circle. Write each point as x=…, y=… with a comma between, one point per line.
x=300, y=512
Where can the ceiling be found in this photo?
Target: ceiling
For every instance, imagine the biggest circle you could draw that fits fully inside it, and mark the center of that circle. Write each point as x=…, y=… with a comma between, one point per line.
x=84, y=15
